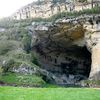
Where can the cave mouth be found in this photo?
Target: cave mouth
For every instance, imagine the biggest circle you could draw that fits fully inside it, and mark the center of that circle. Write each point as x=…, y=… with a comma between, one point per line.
x=68, y=65
x=78, y=62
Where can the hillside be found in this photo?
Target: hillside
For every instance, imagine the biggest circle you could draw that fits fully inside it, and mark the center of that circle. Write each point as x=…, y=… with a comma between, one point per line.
x=60, y=50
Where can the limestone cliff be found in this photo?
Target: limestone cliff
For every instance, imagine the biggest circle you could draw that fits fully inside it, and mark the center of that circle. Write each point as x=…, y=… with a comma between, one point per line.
x=92, y=36
x=64, y=47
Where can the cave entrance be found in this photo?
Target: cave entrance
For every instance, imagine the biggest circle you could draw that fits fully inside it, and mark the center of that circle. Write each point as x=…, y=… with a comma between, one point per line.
x=87, y=61
x=78, y=62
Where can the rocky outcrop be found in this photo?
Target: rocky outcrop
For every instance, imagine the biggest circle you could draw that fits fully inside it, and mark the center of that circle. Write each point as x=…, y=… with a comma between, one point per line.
x=28, y=69
x=95, y=67
x=92, y=36
x=64, y=47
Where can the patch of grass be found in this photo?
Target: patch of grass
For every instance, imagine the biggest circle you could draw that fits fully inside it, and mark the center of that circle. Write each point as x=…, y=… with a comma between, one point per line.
x=21, y=80
x=14, y=93
x=50, y=86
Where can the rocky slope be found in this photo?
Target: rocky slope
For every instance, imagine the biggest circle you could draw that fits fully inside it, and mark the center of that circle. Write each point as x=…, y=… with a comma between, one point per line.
x=64, y=48
x=67, y=51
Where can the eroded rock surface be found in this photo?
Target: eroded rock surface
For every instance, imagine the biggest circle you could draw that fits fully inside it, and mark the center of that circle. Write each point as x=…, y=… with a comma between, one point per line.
x=92, y=37
x=64, y=47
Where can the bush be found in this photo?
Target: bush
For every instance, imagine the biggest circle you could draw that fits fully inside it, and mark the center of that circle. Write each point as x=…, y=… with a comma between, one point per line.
x=27, y=43
x=7, y=45
x=21, y=80
x=7, y=64
x=10, y=23
x=15, y=33
x=34, y=59
x=1, y=70
x=91, y=83
x=20, y=55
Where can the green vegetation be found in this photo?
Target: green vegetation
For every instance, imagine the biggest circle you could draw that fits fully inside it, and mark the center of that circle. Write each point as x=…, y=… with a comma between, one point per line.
x=15, y=43
x=92, y=83
x=8, y=23
x=27, y=43
x=60, y=1
x=15, y=52
x=11, y=62
x=14, y=93
x=82, y=1
x=8, y=45
x=20, y=55
x=95, y=10
x=16, y=46
x=21, y=79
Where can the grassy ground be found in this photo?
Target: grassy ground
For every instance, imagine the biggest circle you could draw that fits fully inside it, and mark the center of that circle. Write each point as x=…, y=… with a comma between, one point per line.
x=14, y=93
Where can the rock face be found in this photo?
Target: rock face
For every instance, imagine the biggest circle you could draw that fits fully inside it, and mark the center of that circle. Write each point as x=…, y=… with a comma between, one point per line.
x=95, y=67
x=92, y=36
x=64, y=47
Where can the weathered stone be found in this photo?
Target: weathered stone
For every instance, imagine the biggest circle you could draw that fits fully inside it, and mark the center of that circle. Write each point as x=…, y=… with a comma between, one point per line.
x=61, y=47
x=95, y=67
x=24, y=69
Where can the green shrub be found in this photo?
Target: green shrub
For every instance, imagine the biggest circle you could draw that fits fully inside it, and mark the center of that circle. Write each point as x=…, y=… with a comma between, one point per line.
x=92, y=83
x=34, y=59
x=1, y=70
x=27, y=43
x=21, y=80
x=7, y=45
x=7, y=64
x=9, y=23
x=20, y=55
x=15, y=33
